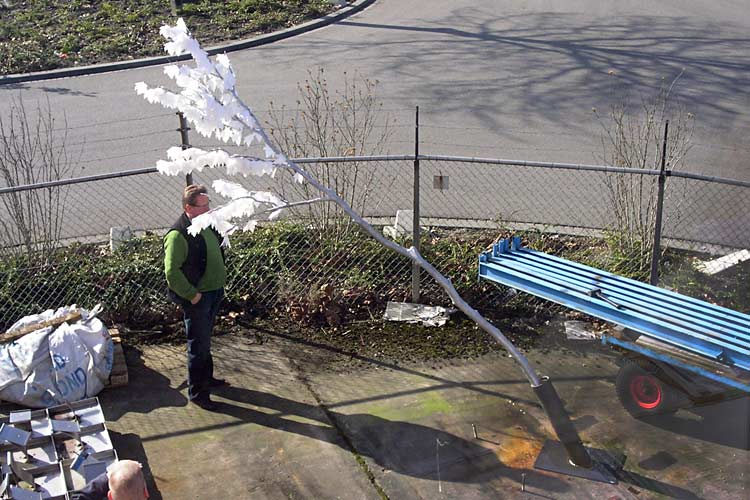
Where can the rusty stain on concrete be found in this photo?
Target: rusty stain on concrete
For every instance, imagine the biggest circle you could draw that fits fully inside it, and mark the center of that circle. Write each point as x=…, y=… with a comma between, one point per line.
x=518, y=449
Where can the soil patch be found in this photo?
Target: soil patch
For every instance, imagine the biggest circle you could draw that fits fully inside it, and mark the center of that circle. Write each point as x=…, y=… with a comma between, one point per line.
x=361, y=344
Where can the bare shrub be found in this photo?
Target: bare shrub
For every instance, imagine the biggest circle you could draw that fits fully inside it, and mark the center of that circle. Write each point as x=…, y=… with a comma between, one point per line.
x=32, y=151
x=632, y=137
x=346, y=122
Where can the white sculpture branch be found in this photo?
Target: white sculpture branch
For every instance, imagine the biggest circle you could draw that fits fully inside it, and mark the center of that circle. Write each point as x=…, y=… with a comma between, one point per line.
x=209, y=101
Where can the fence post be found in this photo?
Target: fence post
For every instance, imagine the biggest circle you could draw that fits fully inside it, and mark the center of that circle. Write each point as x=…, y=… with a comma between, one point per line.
x=656, y=250
x=185, y=142
x=416, y=237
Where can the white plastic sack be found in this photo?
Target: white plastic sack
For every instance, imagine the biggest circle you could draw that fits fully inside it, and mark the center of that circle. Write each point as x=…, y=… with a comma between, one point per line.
x=56, y=365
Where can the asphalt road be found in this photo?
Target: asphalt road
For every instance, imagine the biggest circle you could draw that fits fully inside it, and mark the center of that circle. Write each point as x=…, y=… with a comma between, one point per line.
x=492, y=79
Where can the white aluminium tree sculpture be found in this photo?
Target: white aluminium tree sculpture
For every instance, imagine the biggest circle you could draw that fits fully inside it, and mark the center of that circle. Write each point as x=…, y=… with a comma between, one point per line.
x=209, y=101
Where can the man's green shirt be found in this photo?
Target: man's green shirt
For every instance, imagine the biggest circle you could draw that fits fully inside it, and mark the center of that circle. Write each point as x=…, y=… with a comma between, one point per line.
x=175, y=254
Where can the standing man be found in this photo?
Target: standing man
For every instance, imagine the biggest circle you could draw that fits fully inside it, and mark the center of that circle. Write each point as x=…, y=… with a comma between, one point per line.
x=196, y=275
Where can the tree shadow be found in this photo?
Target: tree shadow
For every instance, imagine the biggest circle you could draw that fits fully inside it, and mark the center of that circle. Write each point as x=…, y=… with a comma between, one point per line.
x=403, y=447
x=50, y=90
x=567, y=60
x=477, y=386
x=726, y=423
x=146, y=391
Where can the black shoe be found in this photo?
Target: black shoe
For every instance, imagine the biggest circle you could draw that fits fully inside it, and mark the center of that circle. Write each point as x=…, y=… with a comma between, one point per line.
x=205, y=403
x=217, y=382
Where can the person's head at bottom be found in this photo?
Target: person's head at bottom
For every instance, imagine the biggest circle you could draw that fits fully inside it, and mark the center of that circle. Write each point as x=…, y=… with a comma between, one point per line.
x=126, y=481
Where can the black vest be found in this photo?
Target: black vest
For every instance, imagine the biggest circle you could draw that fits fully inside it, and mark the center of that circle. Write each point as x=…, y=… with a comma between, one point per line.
x=194, y=266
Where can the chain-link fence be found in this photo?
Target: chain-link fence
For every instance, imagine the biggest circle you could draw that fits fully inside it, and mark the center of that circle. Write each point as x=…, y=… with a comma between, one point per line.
x=315, y=262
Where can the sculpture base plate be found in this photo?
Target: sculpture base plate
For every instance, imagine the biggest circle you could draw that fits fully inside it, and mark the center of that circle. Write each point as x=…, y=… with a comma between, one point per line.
x=554, y=458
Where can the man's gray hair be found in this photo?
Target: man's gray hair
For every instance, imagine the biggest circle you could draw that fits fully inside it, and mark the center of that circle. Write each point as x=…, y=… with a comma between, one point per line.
x=126, y=481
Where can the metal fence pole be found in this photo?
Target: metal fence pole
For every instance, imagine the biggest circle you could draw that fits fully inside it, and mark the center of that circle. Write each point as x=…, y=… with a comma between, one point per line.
x=656, y=250
x=185, y=142
x=415, y=270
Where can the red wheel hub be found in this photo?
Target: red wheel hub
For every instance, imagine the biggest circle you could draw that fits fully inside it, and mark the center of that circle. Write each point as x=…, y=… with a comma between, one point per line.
x=646, y=391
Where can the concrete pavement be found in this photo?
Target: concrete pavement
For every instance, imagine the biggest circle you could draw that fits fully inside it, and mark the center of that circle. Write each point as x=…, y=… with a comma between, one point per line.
x=269, y=440
x=300, y=422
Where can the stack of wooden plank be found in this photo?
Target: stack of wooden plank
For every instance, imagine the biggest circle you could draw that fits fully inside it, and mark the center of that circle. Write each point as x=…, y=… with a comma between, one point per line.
x=118, y=377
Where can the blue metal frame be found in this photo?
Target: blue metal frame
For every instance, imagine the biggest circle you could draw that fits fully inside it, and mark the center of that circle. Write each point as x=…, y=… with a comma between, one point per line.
x=608, y=339
x=705, y=329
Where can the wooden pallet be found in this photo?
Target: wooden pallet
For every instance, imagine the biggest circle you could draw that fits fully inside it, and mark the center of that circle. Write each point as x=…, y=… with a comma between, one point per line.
x=118, y=377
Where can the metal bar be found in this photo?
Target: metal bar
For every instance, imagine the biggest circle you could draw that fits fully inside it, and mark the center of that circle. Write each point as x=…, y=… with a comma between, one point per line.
x=708, y=320
x=78, y=180
x=542, y=164
x=640, y=287
x=656, y=248
x=709, y=178
x=381, y=158
x=667, y=300
x=415, y=269
x=359, y=159
x=579, y=300
x=517, y=269
x=489, y=161
x=608, y=339
x=653, y=310
x=626, y=289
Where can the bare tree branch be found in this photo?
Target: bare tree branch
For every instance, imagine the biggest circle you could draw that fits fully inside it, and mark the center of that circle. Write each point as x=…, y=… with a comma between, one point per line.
x=33, y=150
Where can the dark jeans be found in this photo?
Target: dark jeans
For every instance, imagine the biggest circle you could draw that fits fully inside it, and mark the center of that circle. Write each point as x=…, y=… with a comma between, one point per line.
x=199, y=322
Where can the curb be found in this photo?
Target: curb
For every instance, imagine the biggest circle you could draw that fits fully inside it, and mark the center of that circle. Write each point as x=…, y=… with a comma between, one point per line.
x=353, y=8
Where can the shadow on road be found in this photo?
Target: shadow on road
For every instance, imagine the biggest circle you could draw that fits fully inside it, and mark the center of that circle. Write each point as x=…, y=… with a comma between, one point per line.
x=146, y=391
x=403, y=447
x=51, y=90
x=659, y=487
x=478, y=386
x=726, y=423
x=569, y=59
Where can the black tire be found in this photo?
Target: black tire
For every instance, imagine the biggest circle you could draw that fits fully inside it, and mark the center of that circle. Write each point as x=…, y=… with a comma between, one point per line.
x=644, y=390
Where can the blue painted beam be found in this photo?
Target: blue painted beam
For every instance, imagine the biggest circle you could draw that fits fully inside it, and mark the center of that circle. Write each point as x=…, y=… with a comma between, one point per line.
x=717, y=333
x=637, y=286
x=727, y=331
x=576, y=298
x=608, y=339
x=710, y=316
x=646, y=290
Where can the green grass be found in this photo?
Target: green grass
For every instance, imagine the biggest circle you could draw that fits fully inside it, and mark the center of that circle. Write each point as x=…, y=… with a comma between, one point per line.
x=727, y=289
x=48, y=34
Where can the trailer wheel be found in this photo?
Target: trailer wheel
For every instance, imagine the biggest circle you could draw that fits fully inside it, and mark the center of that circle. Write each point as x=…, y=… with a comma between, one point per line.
x=643, y=391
